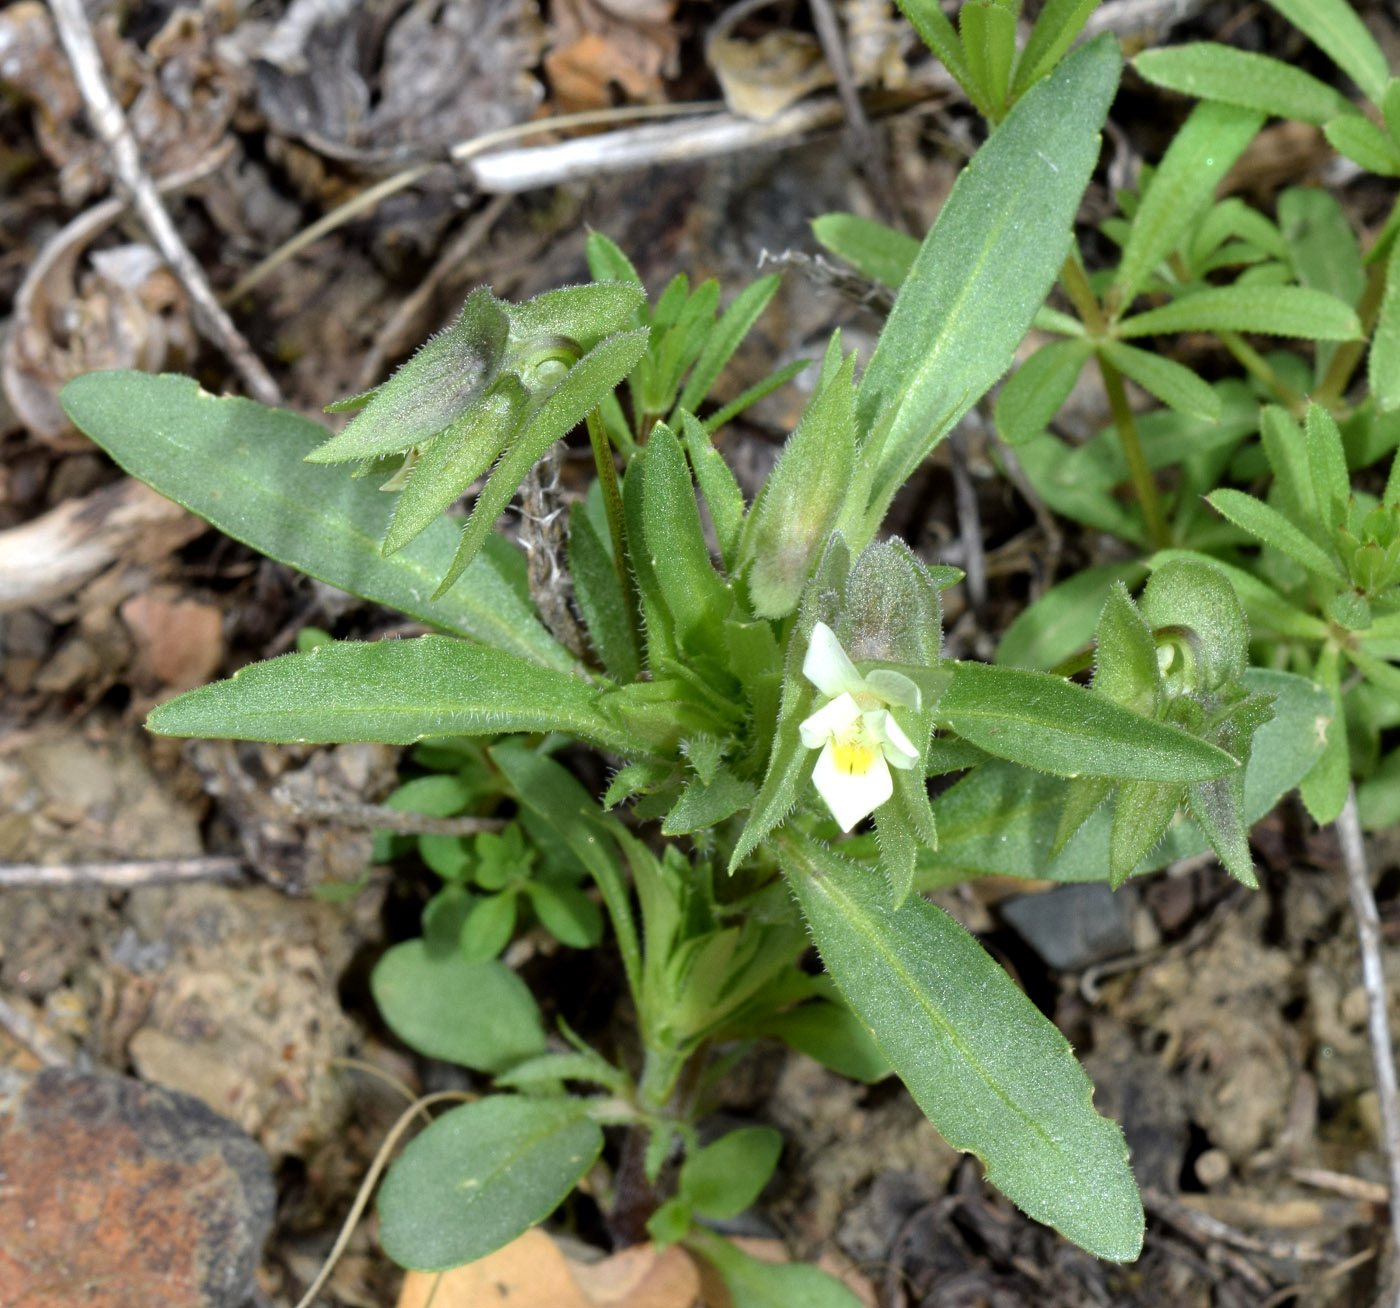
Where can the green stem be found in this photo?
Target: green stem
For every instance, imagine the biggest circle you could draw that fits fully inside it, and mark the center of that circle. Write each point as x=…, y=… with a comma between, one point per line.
x=1255, y=363
x=1348, y=354
x=1143, y=483
x=1081, y=295
x=612, y=507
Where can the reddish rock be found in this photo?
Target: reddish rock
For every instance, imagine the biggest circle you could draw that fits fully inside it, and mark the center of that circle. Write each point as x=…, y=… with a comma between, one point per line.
x=115, y=1194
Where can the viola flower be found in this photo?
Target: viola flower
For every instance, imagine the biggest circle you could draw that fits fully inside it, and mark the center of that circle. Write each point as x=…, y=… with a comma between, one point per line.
x=858, y=737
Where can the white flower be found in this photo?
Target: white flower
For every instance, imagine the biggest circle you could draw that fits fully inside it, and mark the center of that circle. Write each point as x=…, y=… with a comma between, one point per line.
x=859, y=739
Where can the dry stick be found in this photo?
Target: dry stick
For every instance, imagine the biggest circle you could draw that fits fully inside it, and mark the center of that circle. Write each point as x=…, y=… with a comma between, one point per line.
x=380, y=817
x=115, y=133
x=459, y=153
x=1368, y=935
x=120, y=875
x=381, y=1161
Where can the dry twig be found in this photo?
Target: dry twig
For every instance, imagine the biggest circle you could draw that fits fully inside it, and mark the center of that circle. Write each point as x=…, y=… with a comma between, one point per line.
x=121, y=875
x=1368, y=934
x=115, y=133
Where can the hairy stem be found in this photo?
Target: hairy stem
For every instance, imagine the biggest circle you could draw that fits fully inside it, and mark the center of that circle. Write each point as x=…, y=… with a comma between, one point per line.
x=1144, y=485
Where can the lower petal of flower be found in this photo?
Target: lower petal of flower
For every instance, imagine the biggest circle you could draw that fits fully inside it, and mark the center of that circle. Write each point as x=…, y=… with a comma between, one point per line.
x=852, y=776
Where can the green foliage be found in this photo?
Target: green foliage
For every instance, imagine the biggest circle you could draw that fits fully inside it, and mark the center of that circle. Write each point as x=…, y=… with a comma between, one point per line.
x=995, y=1077
x=733, y=652
x=481, y=1175
x=480, y=1015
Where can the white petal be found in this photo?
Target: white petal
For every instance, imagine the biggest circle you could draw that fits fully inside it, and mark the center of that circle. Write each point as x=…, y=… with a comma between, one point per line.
x=897, y=747
x=827, y=666
x=894, y=688
x=851, y=795
x=828, y=721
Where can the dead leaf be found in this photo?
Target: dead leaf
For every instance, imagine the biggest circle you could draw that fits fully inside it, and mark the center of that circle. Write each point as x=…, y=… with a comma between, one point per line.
x=530, y=1272
x=178, y=642
x=640, y=1277
x=533, y=1272
x=596, y=45
x=763, y=77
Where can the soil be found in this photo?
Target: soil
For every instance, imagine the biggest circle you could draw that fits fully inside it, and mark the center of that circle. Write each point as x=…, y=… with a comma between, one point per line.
x=1224, y=1029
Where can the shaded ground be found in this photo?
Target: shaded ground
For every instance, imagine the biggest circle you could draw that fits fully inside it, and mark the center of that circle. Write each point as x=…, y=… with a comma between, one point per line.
x=1225, y=1030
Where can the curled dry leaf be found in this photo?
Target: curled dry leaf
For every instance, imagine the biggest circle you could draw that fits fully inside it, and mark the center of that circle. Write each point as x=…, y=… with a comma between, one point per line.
x=761, y=78
x=127, y=311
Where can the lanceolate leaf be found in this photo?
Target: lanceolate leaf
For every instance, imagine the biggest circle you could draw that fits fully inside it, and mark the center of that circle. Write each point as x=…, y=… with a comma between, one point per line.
x=395, y=691
x=753, y=1283
x=1384, y=365
x=1170, y=382
x=1033, y=394
x=989, y=1070
x=1334, y=26
x=1002, y=819
x=240, y=467
x=1363, y=143
x=1046, y=722
x=725, y=337
x=1211, y=71
x=1210, y=140
x=481, y=1175
x=1054, y=32
x=985, y=266
x=940, y=37
x=880, y=252
x=1270, y=310
x=1271, y=527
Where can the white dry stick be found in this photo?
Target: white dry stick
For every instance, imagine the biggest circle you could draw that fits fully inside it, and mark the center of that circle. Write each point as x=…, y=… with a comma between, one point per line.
x=115, y=133
x=1368, y=934
x=132, y=875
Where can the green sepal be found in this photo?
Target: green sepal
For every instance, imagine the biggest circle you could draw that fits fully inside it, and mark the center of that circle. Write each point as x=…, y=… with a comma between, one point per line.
x=1142, y=812
x=578, y=392
x=449, y=463
x=431, y=391
x=790, y=763
x=697, y=598
x=1125, y=656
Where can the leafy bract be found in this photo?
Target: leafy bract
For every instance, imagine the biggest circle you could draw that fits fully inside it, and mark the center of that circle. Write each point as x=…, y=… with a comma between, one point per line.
x=1049, y=723
x=984, y=267
x=394, y=691
x=481, y=1175
x=989, y=1070
x=239, y=465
